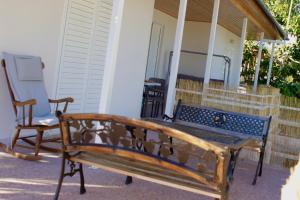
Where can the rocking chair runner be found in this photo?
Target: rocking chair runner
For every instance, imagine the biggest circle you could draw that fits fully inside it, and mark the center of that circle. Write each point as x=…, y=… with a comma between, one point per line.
x=30, y=101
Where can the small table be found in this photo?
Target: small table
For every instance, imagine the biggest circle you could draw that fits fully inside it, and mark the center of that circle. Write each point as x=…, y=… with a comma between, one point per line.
x=231, y=142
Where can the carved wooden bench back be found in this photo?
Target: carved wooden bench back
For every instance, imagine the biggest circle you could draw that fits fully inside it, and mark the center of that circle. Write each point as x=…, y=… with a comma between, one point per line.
x=148, y=143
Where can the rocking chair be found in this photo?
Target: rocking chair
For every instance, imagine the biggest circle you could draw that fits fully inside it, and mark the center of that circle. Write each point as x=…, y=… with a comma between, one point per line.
x=24, y=75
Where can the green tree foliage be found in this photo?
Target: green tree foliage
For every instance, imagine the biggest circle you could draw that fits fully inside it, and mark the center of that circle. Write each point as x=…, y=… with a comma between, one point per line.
x=286, y=63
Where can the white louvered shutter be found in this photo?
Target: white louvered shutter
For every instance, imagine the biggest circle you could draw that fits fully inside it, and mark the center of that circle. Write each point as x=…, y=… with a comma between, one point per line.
x=83, y=53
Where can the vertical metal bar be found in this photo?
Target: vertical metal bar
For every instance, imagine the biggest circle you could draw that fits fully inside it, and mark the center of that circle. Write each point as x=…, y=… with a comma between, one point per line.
x=176, y=58
x=226, y=73
x=258, y=62
x=242, y=45
x=212, y=38
x=270, y=64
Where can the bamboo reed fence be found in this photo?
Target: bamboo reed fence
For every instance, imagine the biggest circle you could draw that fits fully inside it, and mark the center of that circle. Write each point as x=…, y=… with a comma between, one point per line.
x=287, y=147
x=283, y=146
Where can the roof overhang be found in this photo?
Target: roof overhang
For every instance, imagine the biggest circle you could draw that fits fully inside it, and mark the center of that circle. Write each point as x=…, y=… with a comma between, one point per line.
x=231, y=15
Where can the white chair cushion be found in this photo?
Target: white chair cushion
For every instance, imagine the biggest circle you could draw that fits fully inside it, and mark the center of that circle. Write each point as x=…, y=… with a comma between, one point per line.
x=29, y=68
x=29, y=89
x=48, y=120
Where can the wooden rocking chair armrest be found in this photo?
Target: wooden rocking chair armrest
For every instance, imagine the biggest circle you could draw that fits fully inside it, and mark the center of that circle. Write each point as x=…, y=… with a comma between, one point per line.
x=22, y=104
x=64, y=100
x=30, y=102
x=59, y=101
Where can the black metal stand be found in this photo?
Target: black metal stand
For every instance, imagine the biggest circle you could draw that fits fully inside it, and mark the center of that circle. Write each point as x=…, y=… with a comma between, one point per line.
x=128, y=180
x=61, y=178
x=73, y=171
x=233, y=161
x=82, y=187
x=258, y=171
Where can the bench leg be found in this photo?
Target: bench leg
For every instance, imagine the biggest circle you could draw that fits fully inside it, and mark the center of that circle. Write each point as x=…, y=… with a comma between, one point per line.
x=258, y=168
x=128, y=180
x=171, y=148
x=232, y=163
x=258, y=171
x=61, y=178
x=82, y=187
x=261, y=164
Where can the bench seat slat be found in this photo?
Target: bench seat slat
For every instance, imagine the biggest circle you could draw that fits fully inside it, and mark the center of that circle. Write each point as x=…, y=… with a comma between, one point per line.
x=144, y=171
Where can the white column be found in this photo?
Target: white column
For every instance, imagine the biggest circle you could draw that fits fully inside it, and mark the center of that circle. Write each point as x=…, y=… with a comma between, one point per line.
x=176, y=58
x=288, y=18
x=270, y=64
x=242, y=45
x=211, y=44
x=111, y=57
x=258, y=61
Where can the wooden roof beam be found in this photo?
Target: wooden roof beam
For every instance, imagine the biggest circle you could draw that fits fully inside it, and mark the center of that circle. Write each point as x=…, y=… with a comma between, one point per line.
x=258, y=18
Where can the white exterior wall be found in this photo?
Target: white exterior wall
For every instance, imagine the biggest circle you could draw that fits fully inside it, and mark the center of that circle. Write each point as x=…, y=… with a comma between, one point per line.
x=228, y=44
x=35, y=27
x=195, y=38
x=29, y=27
x=132, y=58
x=169, y=27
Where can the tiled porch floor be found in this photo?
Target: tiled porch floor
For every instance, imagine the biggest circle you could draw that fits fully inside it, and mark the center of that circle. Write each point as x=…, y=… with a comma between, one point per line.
x=24, y=180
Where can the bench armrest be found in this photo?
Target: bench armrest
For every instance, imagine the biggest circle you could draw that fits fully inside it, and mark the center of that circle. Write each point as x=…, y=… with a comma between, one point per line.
x=23, y=104
x=66, y=101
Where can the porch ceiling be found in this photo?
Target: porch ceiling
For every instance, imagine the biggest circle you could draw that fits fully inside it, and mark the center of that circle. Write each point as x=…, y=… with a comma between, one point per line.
x=231, y=15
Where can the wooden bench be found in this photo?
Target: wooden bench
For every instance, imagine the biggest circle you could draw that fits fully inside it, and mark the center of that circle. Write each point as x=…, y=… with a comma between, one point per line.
x=224, y=122
x=119, y=144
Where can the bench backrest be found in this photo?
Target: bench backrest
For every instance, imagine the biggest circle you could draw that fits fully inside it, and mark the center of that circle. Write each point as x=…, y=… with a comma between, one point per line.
x=146, y=142
x=224, y=121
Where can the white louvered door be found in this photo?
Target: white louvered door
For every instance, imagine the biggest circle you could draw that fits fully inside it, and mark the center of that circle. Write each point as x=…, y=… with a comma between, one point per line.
x=83, y=53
